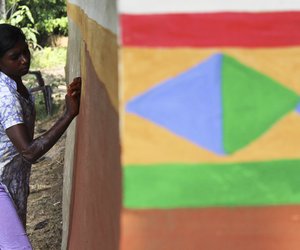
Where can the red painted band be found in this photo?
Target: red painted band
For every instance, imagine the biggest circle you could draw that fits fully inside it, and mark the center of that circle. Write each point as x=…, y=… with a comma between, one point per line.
x=234, y=228
x=269, y=29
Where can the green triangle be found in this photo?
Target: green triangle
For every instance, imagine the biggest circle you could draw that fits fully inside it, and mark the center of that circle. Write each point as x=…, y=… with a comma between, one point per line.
x=252, y=103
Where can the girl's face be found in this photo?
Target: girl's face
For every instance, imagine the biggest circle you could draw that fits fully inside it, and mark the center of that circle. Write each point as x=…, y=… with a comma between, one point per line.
x=15, y=62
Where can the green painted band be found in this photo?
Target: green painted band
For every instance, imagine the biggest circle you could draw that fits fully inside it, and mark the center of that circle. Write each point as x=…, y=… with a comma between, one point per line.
x=210, y=185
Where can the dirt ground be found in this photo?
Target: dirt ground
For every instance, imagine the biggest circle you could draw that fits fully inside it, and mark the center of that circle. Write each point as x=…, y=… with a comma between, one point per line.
x=44, y=220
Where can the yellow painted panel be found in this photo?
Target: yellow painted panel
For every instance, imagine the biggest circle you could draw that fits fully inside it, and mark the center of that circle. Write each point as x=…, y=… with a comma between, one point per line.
x=102, y=46
x=146, y=143
x=144, y=68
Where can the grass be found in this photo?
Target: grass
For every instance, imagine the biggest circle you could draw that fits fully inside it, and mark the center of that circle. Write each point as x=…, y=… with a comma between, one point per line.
x=49, y=57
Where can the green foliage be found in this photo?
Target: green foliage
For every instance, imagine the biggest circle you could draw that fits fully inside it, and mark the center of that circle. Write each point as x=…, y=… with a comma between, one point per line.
x=55, y=26
x=21, y=16
x=50, y=17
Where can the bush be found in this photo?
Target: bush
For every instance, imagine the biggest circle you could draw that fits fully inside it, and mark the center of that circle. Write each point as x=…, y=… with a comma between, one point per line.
x=20, y=16
x=50, y=17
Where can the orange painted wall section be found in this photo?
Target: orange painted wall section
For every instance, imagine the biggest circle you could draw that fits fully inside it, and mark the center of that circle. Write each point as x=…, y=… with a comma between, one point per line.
x=97, y=181
x=261, y=228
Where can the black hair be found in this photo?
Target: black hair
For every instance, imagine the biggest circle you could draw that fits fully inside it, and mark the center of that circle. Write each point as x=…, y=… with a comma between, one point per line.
x=9, y=36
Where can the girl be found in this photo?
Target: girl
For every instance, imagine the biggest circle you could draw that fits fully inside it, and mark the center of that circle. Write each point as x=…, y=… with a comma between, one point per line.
x=18, y=149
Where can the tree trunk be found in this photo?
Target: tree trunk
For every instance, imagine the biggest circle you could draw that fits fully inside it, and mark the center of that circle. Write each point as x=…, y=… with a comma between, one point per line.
x=2, y=9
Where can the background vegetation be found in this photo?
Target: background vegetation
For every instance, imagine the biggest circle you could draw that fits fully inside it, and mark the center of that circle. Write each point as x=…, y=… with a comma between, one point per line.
x=49, y=57
x=41, y=18
x=51, y=62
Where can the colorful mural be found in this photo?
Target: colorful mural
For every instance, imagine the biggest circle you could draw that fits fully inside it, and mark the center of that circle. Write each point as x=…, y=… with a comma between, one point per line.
x=206, y=97
x=210, y=125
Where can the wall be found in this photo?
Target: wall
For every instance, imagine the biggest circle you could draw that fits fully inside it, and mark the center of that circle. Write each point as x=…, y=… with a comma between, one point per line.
x=208, y=107
x=210, y=124
x=92, y=178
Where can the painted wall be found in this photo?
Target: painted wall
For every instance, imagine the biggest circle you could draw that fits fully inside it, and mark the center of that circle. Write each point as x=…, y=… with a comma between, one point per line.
x=92, y=179
x=206, y=98
x=210, y=124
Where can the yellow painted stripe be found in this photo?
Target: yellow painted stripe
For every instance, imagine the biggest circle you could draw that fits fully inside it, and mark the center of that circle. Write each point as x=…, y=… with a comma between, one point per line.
x=103, y=49
x=144, y=68
x=146, y=143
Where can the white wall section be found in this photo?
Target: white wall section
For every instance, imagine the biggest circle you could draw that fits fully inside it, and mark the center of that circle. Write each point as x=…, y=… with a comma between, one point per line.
x=198, y=6
x=103, y=12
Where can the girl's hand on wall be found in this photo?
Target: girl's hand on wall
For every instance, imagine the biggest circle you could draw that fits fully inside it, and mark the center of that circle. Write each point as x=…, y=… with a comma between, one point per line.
x=73, y=97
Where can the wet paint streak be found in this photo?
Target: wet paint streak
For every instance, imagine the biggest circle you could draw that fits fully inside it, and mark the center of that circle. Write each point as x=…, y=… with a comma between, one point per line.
x=96, y=193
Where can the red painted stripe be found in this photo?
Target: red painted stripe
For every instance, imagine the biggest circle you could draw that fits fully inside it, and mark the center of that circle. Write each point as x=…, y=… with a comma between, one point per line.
x=269, y=29
x=247, y=228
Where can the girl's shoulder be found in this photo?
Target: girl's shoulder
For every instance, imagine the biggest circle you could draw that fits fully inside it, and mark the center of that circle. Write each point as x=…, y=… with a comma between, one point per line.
x=8, y=86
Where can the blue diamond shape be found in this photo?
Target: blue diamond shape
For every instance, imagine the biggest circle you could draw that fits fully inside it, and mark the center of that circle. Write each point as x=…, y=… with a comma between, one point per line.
x=189, y=104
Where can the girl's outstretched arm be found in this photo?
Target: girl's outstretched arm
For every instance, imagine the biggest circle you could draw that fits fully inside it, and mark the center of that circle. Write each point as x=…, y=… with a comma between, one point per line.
x=31, y=150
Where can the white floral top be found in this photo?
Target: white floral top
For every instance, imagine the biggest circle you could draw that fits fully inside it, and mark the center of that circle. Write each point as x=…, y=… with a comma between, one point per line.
x=14, y=109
